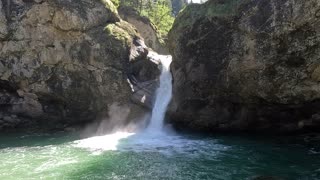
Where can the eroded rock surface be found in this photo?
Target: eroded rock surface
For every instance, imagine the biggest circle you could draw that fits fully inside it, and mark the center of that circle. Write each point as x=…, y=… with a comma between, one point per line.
x=64, y=61
x=247, y=65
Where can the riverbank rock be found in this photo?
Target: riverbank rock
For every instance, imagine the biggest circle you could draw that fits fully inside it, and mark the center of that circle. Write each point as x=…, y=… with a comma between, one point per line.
x=247, y=65
x=145, y=27
x=63, y=62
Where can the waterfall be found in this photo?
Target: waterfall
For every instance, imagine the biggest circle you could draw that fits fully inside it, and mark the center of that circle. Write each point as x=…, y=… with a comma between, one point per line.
x=163, y=95
x=153, y=136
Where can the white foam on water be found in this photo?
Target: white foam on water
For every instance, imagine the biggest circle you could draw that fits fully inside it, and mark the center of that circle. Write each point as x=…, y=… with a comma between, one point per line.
x=99, y=144
x=54, y=163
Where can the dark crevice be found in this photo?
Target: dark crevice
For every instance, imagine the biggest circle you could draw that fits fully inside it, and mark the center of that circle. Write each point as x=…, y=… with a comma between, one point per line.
x=7, y=86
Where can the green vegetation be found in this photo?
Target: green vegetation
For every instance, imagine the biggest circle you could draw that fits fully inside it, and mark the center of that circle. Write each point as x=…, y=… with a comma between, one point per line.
x=112, y=5
x=116, y=2
x=121, y=31
x=159, y=12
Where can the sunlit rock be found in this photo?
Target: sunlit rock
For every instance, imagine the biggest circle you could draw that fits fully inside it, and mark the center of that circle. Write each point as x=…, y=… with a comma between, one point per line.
x=74, y=57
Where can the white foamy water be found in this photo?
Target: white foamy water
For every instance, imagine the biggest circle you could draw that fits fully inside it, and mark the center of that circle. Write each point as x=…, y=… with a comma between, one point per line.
x=99, y=144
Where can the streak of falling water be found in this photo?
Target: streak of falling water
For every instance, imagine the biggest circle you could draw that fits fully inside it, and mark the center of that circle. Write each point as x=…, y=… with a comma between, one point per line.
x=163, y=95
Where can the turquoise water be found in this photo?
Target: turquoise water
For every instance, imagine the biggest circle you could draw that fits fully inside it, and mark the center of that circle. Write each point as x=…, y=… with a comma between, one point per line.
x=176, y=157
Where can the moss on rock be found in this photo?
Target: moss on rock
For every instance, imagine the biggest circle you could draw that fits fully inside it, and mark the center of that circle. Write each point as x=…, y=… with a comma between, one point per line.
x=73, y=62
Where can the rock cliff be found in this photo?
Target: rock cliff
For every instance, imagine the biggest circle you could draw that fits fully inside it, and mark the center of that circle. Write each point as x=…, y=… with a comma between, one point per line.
x=64, y=62
x=247, y=65
x=145, y=27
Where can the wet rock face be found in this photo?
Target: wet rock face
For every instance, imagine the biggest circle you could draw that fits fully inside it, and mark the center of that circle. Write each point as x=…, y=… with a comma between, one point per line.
x=63, y=61
x=247, y=65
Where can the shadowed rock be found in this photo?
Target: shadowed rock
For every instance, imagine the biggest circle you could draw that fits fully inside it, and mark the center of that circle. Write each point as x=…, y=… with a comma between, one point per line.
x=246, y=65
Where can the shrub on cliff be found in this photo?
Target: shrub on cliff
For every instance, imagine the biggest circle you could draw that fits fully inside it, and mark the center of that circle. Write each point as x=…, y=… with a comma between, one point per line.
x=159, y=12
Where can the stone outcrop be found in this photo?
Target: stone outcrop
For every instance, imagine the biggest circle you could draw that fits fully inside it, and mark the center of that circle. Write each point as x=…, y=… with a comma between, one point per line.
x=64, y=62
x=144, y=26
x=247, y=65
x=3, y=22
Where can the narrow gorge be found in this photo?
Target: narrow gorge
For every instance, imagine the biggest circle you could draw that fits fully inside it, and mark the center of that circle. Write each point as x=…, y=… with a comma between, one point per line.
x=160, y=89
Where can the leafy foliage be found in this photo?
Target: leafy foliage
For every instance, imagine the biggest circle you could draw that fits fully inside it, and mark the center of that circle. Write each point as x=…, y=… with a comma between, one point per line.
x=116, y=2
x=158, y=11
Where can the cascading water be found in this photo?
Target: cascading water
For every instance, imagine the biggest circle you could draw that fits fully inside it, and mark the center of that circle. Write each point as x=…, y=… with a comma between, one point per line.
x=154, y=138
x=153, y=135
x=163, y=96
